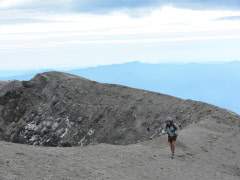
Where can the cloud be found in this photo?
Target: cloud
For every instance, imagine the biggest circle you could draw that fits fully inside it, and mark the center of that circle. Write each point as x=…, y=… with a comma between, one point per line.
x=102, y=6
x=106, y=6
x=40, y=5
x=25, y=21
x=32, y=46
x=12, y=3
x=230, y=18
x=207, y=4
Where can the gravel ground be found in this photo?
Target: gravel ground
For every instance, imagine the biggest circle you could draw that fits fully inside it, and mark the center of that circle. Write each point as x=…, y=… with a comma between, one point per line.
x=204, y=150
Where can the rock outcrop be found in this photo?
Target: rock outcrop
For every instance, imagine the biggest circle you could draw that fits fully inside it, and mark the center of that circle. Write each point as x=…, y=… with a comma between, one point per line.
x=59, y=109
x=6, y=86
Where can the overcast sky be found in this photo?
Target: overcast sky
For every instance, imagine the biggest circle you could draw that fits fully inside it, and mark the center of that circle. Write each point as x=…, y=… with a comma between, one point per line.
x=38, y=34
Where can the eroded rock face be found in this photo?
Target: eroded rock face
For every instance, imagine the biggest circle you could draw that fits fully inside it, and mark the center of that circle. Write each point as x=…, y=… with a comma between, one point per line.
x=6, y=86
x=59, y=109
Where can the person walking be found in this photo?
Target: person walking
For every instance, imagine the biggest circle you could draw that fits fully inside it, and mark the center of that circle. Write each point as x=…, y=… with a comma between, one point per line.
x=172, y=130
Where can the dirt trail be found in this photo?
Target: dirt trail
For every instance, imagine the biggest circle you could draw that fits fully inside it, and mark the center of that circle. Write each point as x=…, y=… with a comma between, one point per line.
x=205, y=150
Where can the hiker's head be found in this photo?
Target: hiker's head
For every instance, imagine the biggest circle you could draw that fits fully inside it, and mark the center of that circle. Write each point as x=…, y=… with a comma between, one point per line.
x=169, y=121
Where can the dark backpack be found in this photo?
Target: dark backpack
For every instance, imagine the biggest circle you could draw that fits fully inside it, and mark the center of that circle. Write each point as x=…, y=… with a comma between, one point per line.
x=175, y=128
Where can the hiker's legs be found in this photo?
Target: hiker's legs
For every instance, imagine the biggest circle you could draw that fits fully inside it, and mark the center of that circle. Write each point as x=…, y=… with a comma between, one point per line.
x=172, y=146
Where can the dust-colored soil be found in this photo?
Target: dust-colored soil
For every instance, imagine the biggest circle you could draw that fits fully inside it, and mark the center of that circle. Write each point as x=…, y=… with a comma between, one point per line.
x=204, y=150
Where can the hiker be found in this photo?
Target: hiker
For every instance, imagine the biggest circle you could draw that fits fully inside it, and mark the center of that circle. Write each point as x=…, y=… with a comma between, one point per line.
x=172, y=130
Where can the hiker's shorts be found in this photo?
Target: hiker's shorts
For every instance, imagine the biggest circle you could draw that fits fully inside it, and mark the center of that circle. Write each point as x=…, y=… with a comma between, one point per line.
x=171, y=139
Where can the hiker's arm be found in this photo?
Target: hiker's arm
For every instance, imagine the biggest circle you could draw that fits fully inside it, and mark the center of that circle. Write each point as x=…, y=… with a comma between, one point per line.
x=165, y=130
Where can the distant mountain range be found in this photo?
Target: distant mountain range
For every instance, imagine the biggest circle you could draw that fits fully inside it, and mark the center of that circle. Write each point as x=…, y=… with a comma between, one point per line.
x=21, y=75
x=214, y=83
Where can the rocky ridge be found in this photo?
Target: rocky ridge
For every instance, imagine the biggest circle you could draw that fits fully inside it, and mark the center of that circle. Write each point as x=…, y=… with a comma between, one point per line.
x=6, y=86
x=59, y=109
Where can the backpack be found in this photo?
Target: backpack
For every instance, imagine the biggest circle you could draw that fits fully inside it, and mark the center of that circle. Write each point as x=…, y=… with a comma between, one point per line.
x=175, y=128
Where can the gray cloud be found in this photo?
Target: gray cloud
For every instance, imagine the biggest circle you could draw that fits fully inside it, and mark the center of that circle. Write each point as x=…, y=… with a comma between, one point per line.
x=105, y=6
x=102, y=6
x=109, y=5
x=208, y=4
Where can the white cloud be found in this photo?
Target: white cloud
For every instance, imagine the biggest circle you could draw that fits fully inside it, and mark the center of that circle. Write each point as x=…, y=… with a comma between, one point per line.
x=37, y=5
x=31, y=46
x=167, y=21
x=167, y=25
x=13, y=3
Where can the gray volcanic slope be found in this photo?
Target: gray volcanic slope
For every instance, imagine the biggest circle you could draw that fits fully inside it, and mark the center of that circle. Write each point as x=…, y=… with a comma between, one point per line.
x=6, y=86
x=59, y=109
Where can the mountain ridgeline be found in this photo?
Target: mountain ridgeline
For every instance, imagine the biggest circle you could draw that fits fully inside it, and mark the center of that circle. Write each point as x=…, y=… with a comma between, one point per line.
x=60, y=109
x=214, y=83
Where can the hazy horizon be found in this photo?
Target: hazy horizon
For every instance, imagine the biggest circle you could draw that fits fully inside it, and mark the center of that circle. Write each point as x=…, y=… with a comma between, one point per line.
x=69, y=33
x=83, y=67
